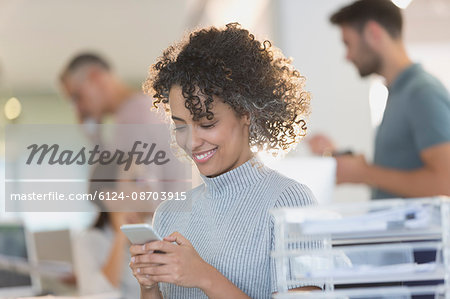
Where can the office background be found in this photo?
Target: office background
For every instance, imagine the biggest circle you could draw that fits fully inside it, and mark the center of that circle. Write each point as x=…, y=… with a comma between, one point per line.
x=37, y=38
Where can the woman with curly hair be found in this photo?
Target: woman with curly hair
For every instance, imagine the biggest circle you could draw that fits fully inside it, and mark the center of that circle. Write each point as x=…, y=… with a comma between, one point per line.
x=229, y=96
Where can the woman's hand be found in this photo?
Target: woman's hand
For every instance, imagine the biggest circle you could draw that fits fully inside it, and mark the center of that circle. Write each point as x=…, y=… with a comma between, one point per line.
x=137, y=252
x=180, y=263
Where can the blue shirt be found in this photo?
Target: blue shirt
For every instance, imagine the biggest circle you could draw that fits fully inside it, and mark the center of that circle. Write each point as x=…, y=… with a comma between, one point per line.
x=417, y=117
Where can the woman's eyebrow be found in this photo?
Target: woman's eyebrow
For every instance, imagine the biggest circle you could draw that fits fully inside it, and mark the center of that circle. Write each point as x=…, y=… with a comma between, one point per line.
x=177, y=118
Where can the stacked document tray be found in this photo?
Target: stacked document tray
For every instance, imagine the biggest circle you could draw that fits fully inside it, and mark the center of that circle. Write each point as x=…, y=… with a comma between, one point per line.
x=401, y=292
x=386, y=242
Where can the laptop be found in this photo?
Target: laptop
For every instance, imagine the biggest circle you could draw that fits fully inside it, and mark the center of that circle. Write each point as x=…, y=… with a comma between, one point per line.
x=15, y=252
x=54, y=255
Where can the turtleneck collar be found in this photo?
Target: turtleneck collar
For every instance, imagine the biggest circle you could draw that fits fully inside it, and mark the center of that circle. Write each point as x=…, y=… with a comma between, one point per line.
x=237, y=179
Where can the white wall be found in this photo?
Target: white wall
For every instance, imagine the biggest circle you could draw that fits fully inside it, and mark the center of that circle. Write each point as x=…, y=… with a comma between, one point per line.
x=37, y=38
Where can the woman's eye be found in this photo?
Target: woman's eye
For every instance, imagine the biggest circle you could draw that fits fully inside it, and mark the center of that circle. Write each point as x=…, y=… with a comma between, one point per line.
x=179, y=128
x=208, y=126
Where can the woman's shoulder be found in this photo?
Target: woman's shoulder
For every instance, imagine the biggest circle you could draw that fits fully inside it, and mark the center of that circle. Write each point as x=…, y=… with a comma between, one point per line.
x=92, y=243
x=291, y=193
x=94, y=236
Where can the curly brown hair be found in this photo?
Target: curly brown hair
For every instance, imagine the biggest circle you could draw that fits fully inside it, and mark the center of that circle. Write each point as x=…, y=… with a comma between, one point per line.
x=254, y=78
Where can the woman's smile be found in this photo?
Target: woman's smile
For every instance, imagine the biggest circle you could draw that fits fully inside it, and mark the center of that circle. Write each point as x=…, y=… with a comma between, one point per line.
x=216, y=145
x=204, y=156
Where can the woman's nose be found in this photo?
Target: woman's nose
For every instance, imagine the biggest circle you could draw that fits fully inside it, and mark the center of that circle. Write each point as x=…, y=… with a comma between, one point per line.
x=195, y=139
x=189, y=138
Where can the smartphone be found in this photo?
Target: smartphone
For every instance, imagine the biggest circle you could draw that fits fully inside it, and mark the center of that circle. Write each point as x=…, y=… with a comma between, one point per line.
x=140, y=233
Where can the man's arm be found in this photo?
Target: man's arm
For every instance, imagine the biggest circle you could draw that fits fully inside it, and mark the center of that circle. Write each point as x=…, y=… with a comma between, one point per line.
x=432, y=179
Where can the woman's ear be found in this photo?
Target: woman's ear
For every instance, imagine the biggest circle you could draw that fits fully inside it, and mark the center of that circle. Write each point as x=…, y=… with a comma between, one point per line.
x=246, y=118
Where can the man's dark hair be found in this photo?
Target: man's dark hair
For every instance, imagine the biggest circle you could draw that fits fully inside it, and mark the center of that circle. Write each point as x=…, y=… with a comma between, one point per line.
x=357, y=14
x=82, y=60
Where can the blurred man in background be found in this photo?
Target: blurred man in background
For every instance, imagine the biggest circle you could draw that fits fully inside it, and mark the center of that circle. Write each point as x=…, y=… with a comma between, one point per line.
x=412, y=146
x=97, y=92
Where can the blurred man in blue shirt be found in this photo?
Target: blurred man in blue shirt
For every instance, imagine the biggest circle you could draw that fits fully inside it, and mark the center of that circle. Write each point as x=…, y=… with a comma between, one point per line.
x=412, y=146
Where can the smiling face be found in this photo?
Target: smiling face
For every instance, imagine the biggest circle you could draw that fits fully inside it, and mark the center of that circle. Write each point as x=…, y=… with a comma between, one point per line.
x=217, y=145
x=366, y=60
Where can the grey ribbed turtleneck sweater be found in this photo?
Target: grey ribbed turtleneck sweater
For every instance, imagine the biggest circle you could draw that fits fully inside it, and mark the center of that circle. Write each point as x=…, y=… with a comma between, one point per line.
x=227, y=221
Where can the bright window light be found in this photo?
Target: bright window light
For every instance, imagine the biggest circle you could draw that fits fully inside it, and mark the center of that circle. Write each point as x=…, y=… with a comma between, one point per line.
x=402, y=3
x=12, y=108
x=378, y=94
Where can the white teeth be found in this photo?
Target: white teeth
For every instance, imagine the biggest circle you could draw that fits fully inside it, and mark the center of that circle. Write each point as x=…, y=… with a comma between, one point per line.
x=202, y=156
